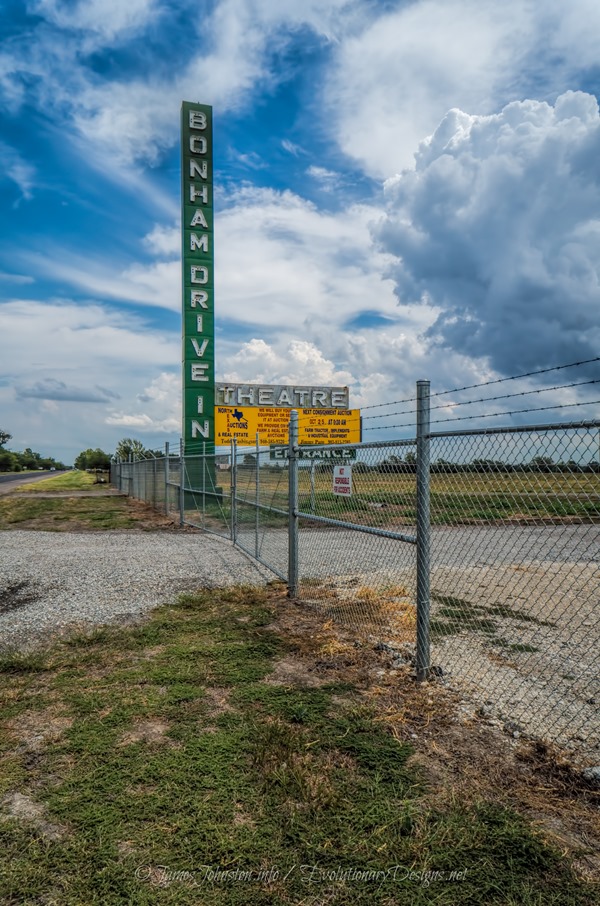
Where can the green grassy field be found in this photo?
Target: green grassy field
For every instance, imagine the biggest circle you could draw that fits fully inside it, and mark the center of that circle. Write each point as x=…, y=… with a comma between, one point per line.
x=73, y=513
x=390, y=499
x=74, y=480
x=159, y=764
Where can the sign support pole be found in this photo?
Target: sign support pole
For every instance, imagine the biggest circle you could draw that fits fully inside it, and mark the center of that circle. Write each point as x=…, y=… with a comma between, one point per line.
x=293, y=506
x=234, y=490
x=256, y=547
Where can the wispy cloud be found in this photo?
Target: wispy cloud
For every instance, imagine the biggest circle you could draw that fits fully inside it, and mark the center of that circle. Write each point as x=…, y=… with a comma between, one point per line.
x=51, y=389
x=328, y=179
x=19, y=171
x=106, y=18
x=155, y=284
x=16, y=278
x=292, y=148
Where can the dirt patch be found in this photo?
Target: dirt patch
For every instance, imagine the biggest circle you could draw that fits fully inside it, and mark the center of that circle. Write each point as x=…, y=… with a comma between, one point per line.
x=321, y=651
x=26, y=810
x=216, y=700
x=37, y=729
x=149, y=653
x=293, y=671
x=461, y=755
x=241, y=818
x=151, y=732
x=149, y=519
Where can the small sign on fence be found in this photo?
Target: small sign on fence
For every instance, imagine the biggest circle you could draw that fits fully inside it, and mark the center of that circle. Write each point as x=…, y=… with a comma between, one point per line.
x=342, y=480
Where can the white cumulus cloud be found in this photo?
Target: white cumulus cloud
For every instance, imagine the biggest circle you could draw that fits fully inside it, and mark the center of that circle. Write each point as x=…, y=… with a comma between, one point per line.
x=392, y=81
x=497, y=229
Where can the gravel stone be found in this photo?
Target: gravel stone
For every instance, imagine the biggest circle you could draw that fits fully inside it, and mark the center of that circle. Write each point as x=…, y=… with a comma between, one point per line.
x=50, y=581
x=592, y=775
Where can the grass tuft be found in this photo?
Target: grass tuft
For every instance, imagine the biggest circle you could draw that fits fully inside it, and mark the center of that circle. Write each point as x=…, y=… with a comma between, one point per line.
x=18, y=662
x=456, y=615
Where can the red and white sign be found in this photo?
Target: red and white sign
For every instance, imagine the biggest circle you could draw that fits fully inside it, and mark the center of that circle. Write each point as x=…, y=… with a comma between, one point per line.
x=342, y=480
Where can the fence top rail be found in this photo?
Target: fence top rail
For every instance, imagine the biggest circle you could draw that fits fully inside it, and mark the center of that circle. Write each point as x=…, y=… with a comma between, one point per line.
x=519, y=429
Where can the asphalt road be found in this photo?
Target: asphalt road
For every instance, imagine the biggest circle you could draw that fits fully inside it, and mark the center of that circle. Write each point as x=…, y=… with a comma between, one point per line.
x=11, y=480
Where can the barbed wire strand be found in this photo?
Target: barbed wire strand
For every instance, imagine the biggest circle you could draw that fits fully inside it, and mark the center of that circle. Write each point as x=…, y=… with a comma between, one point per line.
x=489, y=399
x=514, y=377
x=461, y=418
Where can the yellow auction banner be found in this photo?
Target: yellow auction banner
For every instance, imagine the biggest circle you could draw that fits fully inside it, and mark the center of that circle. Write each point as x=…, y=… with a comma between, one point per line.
x=315, y=426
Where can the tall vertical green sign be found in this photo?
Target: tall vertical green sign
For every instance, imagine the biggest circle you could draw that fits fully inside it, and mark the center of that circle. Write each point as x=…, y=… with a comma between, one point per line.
x=198, y=277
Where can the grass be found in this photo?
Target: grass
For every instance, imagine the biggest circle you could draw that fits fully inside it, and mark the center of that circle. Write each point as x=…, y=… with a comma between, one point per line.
x=74, y=480
x=515, y=646
x=387, y=500
x=63, y=513
x=60, y=514
x=455, y=615
x=170, y=770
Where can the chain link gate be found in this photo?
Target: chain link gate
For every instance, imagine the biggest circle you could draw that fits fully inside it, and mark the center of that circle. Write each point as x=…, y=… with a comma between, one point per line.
x=475, y=551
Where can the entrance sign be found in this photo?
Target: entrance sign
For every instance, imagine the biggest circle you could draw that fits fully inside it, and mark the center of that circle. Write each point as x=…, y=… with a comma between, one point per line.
x=315, y=426
x=342, y=481
x=315, y=455
x=198, y=275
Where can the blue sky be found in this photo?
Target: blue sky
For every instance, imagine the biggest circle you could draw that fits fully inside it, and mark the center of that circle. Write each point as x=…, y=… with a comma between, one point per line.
x=403, y=190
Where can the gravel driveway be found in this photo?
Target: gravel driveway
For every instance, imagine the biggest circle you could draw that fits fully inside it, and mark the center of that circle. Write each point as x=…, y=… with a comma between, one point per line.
x=50, y=580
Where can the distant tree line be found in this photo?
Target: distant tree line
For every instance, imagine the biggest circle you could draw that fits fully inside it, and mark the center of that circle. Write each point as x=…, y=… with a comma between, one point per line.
x=28, y=460
x=408, y=466
x=92, y=460
x=98, y=460
x=543, y=464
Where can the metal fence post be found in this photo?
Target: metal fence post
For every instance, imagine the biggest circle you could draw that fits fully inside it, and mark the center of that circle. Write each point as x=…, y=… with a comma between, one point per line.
x=293, y=506
x=204, y=483
x=423, y=662
x=154, y=481
x=233, y=490
x=256, y=519
x=167, y=478
x=181, y=483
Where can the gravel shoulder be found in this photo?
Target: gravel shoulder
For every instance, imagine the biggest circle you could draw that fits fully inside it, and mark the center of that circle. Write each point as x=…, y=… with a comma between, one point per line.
x=51, y=582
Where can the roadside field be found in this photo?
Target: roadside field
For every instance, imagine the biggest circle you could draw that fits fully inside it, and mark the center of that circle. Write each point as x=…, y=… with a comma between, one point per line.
x=385, y=500
x=66, y=513
x=73, y=480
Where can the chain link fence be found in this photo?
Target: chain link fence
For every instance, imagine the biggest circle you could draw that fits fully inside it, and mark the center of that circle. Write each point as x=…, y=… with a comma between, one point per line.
x=515, y=584
x=472, y=555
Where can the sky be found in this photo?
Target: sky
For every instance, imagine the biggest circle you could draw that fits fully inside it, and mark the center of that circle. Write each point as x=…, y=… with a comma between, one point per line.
x=403, y=191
